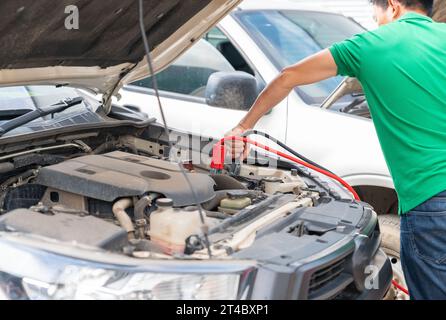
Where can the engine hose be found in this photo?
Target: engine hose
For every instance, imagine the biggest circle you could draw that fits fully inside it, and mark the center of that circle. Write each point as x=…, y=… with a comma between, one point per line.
x=118, y=209
x=218, y=160
x=139, y=211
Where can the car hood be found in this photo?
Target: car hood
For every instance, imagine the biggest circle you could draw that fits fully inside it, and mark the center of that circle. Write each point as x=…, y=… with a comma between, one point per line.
x=43, y=44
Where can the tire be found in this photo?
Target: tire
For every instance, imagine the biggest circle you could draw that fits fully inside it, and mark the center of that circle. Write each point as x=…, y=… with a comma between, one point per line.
x=390, y=244
x=390, y=234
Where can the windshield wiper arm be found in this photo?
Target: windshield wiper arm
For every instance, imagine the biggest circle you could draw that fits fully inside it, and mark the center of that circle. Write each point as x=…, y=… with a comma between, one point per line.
x=39, y=112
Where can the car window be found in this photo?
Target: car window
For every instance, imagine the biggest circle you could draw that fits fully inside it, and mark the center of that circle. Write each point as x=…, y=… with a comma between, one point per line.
x=222, y=43
x=291, y=35
x=16, y=101
x=21, y=99
x=15, y=98
x=190, y=73
x=215, y=37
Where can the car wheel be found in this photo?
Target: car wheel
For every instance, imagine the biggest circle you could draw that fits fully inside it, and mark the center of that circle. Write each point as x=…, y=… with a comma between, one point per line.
x=390, y=233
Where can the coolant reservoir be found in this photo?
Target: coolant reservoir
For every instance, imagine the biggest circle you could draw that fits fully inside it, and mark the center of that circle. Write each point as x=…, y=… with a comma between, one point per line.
x=170, y=227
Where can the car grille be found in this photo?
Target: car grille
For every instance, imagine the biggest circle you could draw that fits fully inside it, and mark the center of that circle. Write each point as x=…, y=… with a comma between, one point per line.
x=324, y=276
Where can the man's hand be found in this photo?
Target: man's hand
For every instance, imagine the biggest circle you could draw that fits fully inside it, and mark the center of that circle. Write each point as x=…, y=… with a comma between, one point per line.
x=238, y=149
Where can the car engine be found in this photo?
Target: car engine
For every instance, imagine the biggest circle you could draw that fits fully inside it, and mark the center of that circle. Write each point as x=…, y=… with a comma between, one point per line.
x=141, y=205
x=116, y=195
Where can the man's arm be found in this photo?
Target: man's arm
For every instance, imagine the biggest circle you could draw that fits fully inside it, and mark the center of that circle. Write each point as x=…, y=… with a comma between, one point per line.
x=317, y=67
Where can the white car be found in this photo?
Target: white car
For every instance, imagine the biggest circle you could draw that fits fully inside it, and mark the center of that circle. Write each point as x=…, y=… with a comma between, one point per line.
x=260, y=38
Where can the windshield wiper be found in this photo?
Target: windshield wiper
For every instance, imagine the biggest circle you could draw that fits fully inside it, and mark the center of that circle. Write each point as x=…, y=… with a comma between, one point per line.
x=38, y=113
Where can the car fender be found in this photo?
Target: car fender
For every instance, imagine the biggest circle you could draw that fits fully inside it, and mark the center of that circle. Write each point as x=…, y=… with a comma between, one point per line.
x=369, y=180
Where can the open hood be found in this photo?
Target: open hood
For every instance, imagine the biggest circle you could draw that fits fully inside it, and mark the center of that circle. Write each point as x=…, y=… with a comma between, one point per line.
x=106, y=50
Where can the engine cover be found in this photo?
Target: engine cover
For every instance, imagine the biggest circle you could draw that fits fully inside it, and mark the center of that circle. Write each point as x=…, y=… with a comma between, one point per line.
x=118, y=174
x=87, y=230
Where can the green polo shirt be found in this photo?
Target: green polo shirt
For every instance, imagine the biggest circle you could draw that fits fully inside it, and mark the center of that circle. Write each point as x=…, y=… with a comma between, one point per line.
x=402, y=68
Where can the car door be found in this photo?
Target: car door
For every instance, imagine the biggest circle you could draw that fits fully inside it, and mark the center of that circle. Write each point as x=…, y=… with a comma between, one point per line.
x=182, y=88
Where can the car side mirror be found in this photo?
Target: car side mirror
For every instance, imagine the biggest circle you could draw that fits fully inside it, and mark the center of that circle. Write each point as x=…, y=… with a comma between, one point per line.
x=347, y=86
x=233, y=90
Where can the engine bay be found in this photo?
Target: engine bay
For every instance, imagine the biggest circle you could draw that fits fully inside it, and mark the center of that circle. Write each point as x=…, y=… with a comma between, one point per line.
x=140, y=204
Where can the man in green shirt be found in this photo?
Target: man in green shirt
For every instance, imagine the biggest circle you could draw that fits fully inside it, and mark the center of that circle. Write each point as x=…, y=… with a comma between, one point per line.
x=402, y=68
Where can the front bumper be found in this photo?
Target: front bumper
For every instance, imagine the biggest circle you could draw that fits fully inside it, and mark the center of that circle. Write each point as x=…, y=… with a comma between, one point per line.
x=384, y=278
x=354, y=268
x=278, y=283
x=266, y=281
x=345, y=263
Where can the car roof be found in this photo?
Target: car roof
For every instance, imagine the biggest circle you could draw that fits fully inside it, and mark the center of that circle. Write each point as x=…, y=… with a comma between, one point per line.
x=280, y=5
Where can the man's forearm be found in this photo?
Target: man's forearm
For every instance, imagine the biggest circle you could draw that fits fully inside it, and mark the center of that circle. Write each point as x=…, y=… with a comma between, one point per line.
x=313, y=69
x=270, y=97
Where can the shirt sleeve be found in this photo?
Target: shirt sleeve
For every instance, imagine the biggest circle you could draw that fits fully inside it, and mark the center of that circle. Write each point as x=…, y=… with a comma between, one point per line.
x=347, y=55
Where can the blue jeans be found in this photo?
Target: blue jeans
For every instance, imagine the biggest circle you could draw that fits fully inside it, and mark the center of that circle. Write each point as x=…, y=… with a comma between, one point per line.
x=423, y=249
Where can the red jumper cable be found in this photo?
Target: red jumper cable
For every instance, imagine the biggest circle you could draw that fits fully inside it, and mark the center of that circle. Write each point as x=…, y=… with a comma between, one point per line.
x=219, y=153
x=218, y=162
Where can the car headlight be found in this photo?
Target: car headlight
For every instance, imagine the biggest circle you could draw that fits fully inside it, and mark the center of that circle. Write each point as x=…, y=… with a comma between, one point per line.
x=86, y=283
x=57, y=277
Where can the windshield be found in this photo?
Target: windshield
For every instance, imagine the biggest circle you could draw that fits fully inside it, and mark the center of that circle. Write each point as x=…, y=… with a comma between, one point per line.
x=18, y=100
x=289, y=36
